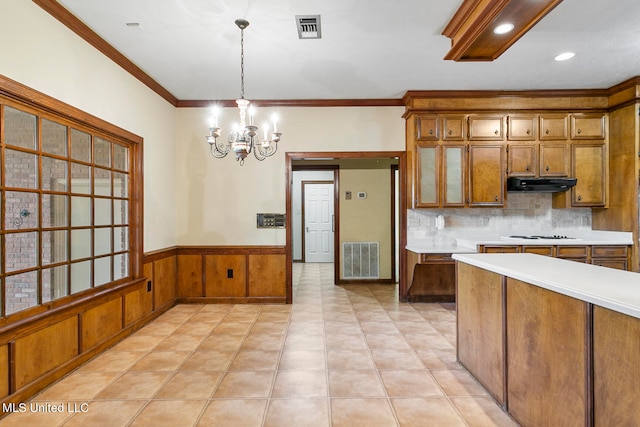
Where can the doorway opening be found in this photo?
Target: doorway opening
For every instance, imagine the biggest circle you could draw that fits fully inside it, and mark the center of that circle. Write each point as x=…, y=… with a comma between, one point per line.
x=353, y=217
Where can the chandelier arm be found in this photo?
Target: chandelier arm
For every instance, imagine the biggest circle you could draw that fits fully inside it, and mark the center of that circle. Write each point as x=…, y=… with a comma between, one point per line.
x=215, y=152
x=266, y=152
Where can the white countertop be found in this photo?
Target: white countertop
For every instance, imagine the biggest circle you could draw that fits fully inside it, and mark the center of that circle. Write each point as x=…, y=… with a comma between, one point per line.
x=427, y=247
x=617, y=290
x=469, y=244
x=589, y=237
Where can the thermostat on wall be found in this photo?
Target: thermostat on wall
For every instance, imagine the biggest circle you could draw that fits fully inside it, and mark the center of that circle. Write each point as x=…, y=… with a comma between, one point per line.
x=362, y=195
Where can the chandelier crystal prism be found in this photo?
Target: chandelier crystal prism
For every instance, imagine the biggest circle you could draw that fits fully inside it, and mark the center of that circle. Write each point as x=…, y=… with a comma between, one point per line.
x=244, y=138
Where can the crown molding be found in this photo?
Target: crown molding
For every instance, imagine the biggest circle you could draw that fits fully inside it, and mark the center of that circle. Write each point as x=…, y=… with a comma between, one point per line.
x=87, y=34
x=390, y=102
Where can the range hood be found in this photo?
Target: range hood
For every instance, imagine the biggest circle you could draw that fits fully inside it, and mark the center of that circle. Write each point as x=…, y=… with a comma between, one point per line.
x=540, y=185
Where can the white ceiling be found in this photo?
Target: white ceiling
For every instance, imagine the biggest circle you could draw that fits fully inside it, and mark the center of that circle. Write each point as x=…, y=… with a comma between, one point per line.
x=369, y=49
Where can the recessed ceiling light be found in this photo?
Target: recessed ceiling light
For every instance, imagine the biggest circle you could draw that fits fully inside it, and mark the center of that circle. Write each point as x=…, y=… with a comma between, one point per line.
x=564, y=56
x=503, y=28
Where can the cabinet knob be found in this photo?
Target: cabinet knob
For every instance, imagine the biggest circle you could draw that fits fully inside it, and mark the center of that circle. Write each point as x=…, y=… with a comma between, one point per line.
x=528, y=168
x=450, y=131
x=430, y=131
x=496, y=198
x=579, y=198
x=579, y=131
x=547, y=168
x=546, y=131
x=497, y=132
x=528, y=131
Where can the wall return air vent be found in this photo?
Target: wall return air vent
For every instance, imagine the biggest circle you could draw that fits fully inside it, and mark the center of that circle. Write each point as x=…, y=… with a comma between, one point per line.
x=308, y=26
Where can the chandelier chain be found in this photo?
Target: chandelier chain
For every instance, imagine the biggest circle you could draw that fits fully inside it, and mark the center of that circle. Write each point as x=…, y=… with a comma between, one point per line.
x=242, y=63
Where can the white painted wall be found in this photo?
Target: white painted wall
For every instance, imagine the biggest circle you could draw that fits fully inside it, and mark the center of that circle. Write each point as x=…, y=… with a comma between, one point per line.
x=41, y=53
x=218, y=199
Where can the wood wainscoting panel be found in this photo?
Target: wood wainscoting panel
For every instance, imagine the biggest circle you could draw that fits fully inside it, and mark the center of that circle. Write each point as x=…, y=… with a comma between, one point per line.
x=4, y=371
x=164, y=279
x=44, y=350
x=548, y=357
x=101, y=322
x=189, y=278
x=226, y=275
x=138, y=303
x=616, y=358
x=267, y=277
x=480, y=323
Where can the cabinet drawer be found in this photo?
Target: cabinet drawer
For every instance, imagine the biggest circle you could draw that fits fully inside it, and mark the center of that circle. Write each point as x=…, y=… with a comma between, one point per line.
x=619, y=264
x=572, y=251
x=587, y=126
x=609, y=252
x=429, y=258
x=540, y=250
x=491, y=249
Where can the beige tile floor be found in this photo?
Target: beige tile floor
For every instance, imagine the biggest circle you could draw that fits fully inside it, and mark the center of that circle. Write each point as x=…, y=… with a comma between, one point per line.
x=338, y=356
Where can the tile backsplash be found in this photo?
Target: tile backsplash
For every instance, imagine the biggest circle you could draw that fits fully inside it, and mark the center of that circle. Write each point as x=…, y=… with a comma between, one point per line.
x=522, y=213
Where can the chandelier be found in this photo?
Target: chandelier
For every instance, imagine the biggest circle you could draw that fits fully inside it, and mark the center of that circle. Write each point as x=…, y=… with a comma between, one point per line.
x=244, y=137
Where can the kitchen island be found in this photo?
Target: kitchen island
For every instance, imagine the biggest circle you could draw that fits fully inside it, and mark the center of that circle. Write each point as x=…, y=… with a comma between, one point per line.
x=555, y=342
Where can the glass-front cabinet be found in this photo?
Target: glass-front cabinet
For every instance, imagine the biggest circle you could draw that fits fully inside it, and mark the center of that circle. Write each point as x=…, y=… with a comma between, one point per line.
x=441, y=175
x=428, y=174
x=454, y=167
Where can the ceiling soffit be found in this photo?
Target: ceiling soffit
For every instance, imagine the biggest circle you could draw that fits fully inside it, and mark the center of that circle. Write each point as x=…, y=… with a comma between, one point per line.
x=471, y=28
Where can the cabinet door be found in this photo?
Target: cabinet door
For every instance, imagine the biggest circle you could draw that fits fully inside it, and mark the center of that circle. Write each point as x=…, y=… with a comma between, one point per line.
x=427, y=127
x=486, y=175
x=454, y=169
x=587, y=126
x=453, y=127
x=553, y=159
x=522, y=159
x=589, y=167
x=522, y=127
x=427, y=188
x=553, y=127
x=486, y=128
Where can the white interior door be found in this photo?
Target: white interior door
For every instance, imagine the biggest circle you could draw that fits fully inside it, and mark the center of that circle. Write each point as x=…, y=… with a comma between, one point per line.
x=318, y=222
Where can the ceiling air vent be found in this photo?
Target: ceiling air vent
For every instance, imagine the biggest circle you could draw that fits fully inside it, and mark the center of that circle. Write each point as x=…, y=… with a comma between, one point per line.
x=308, y=26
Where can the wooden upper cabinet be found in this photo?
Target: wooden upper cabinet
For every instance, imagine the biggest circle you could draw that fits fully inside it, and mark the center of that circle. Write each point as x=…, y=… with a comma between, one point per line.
x=522, y=160
x=486, y=128
x=427, y=127
x=453, y=127
x=522, y=127
x=553, y=159
x=587, y=126
x=589, y=167
x=486, y=175
x=554, y=127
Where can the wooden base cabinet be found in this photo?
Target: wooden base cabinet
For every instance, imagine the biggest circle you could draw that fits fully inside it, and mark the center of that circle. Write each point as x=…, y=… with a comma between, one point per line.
x=431, y=278
x=549, y=359
x=547, y=356
x=616, y=377
x=480, y=346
